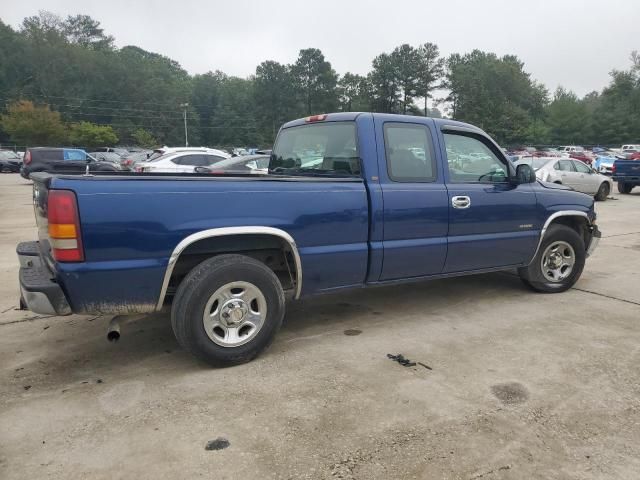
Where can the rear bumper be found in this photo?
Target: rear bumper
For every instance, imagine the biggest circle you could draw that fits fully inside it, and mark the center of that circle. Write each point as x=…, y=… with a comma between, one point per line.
x=595, y=240
x=38, y=287
x=627, y=179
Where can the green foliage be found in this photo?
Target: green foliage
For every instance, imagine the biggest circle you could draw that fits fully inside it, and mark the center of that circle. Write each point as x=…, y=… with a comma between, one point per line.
x=354, y=93
x=28, y=124
x=315, y=82
x=143, y=138
x=494, y=93
x=87, y=134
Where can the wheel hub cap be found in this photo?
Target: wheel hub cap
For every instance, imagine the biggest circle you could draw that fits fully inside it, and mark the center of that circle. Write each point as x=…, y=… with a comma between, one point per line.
x=557, y=261
x=233, y=312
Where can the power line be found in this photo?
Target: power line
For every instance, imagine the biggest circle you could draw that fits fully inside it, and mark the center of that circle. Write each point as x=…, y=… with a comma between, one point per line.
x=166, y=104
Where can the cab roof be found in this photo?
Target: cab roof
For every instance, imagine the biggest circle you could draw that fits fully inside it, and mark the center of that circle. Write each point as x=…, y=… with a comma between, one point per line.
x=351, y=116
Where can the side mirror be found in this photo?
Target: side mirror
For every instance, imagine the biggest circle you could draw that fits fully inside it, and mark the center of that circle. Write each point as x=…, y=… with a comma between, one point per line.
x=525, y=174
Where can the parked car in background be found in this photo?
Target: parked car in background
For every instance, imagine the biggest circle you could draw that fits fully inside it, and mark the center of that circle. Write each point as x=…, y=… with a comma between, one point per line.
x=570, y=149
x=247, y=164
x=550, y=152
x=582, y=156
x=10, y=161
x=61, y=160
x=572, y=173
x=183, y=161
x=632, y=155
x=626, y=148
x=604, y=161
x=121, y=151
x=110, y=157
x=128, y=161
x=627, y=174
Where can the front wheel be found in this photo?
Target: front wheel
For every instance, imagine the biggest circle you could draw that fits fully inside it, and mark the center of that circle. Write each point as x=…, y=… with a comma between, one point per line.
x=624, y=187
x=603, y=192
x=228, y=309
x=558, y=263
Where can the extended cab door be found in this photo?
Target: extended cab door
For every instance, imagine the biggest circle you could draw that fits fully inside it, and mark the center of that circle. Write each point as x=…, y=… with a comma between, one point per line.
x=415, y=199
x=492, y=221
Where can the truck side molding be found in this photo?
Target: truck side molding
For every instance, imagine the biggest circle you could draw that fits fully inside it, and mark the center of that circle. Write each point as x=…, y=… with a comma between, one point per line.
x=227, y=231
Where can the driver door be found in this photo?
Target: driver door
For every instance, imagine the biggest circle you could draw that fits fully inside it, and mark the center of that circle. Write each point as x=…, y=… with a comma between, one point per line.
x=492, y=221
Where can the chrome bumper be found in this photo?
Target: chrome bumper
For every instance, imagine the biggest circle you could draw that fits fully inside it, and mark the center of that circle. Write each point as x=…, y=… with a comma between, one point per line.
x=595, y=239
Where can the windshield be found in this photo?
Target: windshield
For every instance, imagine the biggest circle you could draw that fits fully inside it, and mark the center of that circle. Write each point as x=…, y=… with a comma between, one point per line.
x=9, y=155
x=317, y=149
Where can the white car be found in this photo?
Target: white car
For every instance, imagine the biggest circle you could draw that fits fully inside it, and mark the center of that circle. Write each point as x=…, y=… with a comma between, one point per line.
x=572, y=173
x=626, y=148
x=182, y=161
x=570, y=149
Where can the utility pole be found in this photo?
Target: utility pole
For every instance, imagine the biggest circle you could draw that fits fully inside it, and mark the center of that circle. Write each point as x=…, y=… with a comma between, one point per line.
x=186, y=138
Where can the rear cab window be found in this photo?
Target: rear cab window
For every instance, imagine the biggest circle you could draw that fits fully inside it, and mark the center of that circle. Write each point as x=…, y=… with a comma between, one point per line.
x=409, y=152
x=317, y=149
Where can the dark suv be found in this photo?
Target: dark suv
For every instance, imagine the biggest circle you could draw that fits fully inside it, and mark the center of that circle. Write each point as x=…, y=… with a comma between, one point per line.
x=61, y=160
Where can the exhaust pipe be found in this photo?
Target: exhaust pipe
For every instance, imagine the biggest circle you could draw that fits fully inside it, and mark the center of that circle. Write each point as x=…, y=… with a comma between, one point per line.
x=113, y=330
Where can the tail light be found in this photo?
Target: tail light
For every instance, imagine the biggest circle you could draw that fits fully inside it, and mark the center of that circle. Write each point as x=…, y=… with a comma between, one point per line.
x=27, y=158
x=64, y=226
x=613, y=167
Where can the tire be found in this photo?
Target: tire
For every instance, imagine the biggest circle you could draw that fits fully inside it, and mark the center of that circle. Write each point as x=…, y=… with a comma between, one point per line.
x=198, y=291
x=566, y=239
x=624, y=187
x=603, y=192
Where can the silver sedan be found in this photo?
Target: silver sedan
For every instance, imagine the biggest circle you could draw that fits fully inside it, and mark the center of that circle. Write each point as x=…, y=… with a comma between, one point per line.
x=572, y=173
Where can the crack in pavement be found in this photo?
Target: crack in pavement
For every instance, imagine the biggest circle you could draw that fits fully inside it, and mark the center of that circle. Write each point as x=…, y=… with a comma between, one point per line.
x=607, y=296
x=620, y=235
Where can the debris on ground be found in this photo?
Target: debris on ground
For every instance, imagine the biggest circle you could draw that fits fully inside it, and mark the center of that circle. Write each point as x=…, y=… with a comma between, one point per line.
x=352, y=332
x=217, y=444
x=405, y=362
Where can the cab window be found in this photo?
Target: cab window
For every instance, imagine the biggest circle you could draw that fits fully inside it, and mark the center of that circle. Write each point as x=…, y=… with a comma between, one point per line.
x=409, y=153
x=471, y=160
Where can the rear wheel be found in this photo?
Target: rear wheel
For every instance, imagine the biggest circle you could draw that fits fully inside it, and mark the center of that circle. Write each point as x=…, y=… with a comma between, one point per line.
x=624, y=187
x=228, y=309
x=559, y=262
x=603, y=192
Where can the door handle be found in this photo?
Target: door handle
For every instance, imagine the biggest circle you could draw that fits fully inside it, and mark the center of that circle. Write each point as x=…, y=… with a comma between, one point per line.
x=461, y=202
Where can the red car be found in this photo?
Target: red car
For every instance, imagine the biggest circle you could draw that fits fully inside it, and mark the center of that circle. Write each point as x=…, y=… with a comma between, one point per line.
x=582, y=157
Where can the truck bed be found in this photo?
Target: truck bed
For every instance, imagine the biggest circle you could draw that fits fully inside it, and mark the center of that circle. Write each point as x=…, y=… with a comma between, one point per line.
x=131, y=225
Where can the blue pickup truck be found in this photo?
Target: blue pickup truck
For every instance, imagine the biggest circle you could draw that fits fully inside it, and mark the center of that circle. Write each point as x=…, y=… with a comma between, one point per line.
x=627, y=174
x=351, y=200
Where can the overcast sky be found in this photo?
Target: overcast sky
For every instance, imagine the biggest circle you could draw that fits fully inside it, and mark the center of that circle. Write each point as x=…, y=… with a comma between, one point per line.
x=562, y=42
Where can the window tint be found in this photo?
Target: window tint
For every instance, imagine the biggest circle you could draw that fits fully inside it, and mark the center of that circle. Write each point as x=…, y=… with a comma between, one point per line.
x=75, y=155
x=564, y=166
x=211, y=159
x=409, y=153
x=471, y=160
x=581, y=167
x=317, y=148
